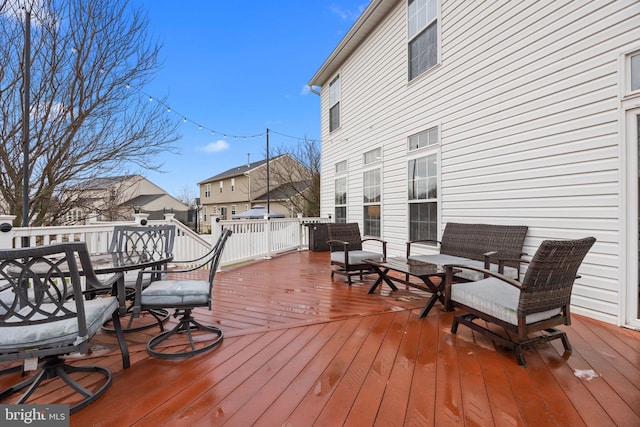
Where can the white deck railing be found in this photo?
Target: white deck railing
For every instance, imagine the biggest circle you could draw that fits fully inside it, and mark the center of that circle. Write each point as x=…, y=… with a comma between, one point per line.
x=251, y=239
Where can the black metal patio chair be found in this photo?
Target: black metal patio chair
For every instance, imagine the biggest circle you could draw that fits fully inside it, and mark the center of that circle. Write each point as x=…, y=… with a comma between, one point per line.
x=49, y=317
x=184, y=295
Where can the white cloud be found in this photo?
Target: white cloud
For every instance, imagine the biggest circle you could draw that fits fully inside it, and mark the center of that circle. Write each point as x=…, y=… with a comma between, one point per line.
x=15, y=9
x=216, y=146
x=347, y=15
x=305, y=90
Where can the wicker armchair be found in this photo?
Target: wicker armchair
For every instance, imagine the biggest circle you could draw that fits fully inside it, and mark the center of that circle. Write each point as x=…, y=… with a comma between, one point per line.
x=345, y=243
x=538, y=303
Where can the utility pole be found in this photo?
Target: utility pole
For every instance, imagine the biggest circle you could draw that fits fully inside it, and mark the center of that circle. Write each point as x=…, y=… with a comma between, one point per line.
x=25, y=122
x=268, y=189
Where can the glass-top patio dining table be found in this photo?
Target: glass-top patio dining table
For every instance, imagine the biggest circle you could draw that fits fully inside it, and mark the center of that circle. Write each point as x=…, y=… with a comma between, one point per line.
x=122, y=262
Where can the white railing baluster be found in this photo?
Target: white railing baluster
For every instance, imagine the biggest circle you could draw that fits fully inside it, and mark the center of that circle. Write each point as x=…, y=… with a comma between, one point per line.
x=251, y=239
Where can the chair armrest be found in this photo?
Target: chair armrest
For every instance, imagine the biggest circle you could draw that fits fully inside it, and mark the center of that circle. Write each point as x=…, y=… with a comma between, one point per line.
x=448, y=277
x=487, y=273
x=383, y=242
x=96, y=286
x=410, y=242
x=342, y=243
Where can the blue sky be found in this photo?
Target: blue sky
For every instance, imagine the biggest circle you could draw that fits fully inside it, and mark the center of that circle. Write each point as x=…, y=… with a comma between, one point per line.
x=238, y=69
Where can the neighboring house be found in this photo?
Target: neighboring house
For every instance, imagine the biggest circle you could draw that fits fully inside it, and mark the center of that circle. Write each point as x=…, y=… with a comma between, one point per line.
x=500, y=112
x=240, y=188
x=117, y=198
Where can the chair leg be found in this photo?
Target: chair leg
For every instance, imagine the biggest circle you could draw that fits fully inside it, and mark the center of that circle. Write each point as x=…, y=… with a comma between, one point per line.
x=122, y=342
x=454, y=325
x=186, y=325
x=55, y=367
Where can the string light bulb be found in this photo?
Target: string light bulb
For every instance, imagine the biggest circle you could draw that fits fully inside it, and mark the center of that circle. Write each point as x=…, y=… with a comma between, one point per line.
x=185, y=119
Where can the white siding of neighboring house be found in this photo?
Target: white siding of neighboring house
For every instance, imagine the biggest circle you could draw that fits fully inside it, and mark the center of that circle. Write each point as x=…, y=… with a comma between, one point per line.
x=527, y=100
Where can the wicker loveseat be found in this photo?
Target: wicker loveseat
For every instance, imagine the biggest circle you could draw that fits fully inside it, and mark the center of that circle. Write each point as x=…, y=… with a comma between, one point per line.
x=477, y=245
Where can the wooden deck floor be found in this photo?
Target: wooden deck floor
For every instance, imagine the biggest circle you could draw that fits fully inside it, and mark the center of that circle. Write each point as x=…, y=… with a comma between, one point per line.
x=303, y=350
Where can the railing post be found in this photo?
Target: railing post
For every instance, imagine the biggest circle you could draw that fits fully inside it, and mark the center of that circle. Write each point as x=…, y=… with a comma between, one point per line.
x=6, y=231
x=140, y=218
x=216, y=229
x=169, y=217
x=267, y=230
x=300, y=232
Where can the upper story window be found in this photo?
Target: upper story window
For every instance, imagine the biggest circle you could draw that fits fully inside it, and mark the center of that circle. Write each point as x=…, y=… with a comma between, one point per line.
x=634, y=71
x=422, y=24
x=221, y=186
x=233, y=185
x=334, y=104
x=207, y=190
x=424, y=139
x=341, y=166
x=372, y=156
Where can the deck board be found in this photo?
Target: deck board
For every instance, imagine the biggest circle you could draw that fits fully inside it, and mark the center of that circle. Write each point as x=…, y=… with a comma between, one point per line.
x=301, y=349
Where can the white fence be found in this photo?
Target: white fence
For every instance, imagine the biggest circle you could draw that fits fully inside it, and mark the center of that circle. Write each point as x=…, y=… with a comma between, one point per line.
x=251, y=239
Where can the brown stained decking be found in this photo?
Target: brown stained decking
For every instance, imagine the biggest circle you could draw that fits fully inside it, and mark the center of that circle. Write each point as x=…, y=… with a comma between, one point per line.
x=303, y=350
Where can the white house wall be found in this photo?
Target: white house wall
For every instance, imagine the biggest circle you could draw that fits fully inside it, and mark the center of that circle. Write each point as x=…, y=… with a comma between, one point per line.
x=527, y=101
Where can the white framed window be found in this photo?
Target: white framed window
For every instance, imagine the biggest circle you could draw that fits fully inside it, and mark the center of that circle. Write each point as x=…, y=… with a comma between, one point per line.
x=341, y=167
x=633, y=67
x=221, y=186
x=422, y=24
x=204, y=213
x=334, y=104
x=424, y=139
x=372, y=191
x=422, y=187
x=341, y=200
x=207, y=190
x=233, y=185
x=233, y=209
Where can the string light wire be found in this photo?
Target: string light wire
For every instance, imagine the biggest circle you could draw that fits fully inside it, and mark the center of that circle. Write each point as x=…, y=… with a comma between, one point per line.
x=200, y=126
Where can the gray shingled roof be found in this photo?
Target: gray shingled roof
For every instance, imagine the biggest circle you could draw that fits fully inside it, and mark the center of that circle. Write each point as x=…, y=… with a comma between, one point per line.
x=238, y=170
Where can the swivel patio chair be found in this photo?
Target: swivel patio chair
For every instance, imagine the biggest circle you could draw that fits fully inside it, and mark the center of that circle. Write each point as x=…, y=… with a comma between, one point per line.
x=184, y=295
x=133, y=241
x=345, y=244
x=48, y=317
x=537, y=304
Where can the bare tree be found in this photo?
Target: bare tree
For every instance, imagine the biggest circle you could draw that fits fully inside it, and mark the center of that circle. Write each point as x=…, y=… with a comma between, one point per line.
x=86, y=117
x=187, y=195
x=300, y=185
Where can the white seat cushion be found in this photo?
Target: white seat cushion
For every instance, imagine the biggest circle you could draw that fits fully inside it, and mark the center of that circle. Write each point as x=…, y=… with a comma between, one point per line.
x=97, y=312
x=355, y=257
x=495, y=298
x=174, y=293
x=443, y=259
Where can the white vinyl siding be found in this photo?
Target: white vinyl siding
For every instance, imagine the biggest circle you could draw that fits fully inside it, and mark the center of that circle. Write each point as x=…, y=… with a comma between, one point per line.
x=527, y=101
